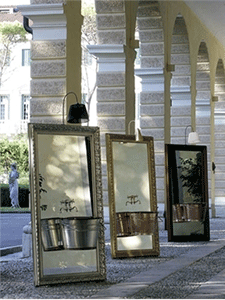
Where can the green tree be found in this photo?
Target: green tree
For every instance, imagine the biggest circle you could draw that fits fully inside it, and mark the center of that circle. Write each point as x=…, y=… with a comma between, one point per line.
x=89, y=27
x=11, y=33
x=89, y=36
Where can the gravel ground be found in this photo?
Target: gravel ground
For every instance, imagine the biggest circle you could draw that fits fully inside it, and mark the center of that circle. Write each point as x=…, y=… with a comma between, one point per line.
x=17, y=275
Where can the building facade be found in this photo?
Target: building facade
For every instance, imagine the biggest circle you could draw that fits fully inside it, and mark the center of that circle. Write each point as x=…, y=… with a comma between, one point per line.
x=181, y=72
x=15, y=82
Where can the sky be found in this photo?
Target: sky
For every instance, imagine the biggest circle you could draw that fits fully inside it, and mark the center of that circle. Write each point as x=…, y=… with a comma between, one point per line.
x=14, y=2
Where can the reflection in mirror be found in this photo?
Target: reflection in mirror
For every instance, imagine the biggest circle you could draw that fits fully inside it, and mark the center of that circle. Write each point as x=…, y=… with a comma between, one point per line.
x=132, y=198
x=131, y=176
x=187, y=192
x=189, y=175
x=63, y=171
x=67, y=203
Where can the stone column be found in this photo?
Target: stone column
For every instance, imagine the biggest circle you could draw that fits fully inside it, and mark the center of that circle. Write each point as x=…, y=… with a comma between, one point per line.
x=152, y=118
x=115, y=77
x=152, y=103
x=56, y=57
x=112, y=93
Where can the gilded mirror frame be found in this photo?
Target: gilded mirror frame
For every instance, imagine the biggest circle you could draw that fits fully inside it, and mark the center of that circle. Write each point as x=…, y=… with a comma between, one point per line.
x=93, y=163
x=150, y=217
x=187, y=207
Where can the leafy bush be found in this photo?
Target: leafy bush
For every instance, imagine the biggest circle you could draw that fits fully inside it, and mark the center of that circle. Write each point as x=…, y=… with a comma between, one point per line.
x=23, y=195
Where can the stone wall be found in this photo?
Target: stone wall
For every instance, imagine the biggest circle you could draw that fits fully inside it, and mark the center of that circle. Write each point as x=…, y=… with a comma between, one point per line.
x=115, y=83
x=151, y=36
x=203, y=109
x=48, y=85
x=219, y=131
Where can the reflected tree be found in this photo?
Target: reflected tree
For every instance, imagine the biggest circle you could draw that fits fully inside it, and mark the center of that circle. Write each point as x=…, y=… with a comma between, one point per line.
x=191, y=176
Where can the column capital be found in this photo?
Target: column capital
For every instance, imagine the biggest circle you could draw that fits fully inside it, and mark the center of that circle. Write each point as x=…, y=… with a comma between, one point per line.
x=111, y=57
x=152, y=79
x=49, y=20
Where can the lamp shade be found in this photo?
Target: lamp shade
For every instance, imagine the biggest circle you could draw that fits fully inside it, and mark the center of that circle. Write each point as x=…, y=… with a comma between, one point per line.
x=77, y=113
x=193, y=138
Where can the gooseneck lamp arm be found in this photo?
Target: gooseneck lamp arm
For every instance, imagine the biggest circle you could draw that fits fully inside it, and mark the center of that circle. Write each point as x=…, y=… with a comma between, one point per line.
x=64, y=98
x=138, y=135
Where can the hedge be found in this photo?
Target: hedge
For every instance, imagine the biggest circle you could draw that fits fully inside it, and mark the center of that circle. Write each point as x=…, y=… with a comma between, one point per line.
x=23, y=195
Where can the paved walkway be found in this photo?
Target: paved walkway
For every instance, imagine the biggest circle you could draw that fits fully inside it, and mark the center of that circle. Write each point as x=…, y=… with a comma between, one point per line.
x=212, y=289
x=183, y=270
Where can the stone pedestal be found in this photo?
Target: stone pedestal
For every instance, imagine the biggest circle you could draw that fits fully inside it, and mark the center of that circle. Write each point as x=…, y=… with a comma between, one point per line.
x=27, y=241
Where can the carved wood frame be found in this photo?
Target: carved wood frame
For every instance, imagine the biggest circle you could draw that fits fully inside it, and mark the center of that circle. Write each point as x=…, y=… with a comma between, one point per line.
x=94, y=134
x=110, y=138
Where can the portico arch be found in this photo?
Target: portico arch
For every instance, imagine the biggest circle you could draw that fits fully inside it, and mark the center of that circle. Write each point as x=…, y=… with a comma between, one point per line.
x=219, y=132
x=180, y=83
x=202, y=105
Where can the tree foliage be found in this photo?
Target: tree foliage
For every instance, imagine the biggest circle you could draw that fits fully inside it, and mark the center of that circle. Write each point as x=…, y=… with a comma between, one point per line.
x=89, y=36
x=11, y=33
x=191, y=176
x=89, y=28
x=14, y=151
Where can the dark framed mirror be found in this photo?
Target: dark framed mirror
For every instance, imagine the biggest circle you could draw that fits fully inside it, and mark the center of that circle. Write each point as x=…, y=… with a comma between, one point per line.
x=187, y=211
x=67, y=203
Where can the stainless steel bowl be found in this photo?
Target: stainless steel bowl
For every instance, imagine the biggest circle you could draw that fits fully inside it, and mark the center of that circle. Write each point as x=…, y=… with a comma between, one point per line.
x=80, y=233
x=51, y=234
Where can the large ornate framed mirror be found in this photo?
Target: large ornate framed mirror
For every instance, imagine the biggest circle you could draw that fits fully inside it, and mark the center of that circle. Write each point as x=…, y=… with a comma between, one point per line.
x=132, y=196
x=67, y=205
x=187, y=193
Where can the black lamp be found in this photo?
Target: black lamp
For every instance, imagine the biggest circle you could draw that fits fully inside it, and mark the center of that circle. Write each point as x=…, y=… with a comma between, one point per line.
x=77, y=112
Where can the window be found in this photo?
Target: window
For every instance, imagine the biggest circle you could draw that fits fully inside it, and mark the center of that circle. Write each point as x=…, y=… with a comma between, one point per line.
x=4, y=107
x=25, y=107
x=25, y=57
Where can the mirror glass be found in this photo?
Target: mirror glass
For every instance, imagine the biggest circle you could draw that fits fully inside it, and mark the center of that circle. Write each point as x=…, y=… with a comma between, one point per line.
x=64, y=194
x=132, y=201
x=68, y=221
x=187, y=203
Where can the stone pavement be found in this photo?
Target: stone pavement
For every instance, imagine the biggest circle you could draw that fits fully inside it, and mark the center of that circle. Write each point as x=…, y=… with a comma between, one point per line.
x=212, y=289
x=183, y=270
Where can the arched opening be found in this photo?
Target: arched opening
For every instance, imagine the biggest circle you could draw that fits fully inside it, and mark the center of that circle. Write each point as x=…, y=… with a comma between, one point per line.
x=151, y=104
x=180, y=83
x=202, y=105
x=219, y=133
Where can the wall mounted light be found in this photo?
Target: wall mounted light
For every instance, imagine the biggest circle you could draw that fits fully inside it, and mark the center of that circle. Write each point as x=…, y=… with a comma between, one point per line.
x=215, y=99
x=193, y=137
x=170, y=68
x=77, y=112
